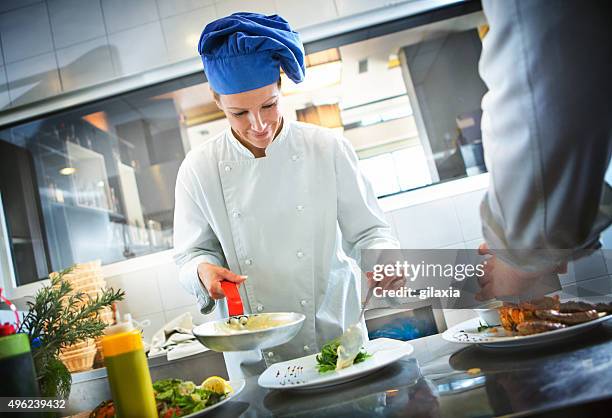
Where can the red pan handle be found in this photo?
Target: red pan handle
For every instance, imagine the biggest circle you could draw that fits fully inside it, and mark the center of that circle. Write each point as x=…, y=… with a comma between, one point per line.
x=234, y=303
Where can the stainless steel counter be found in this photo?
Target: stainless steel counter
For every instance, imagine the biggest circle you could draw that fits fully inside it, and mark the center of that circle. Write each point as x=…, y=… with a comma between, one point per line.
x=562, y=380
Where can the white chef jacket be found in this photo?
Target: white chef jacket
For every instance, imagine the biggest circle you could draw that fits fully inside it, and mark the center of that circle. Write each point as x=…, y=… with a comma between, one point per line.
x=288, y=221
x=547, y=128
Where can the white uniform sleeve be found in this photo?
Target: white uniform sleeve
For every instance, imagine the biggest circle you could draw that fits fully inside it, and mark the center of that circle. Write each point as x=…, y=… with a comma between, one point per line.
x=547, y=128
x=194, y=241
x=361, y=220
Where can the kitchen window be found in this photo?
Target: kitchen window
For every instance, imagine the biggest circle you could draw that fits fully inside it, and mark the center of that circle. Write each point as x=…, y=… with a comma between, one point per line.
x=97, y=181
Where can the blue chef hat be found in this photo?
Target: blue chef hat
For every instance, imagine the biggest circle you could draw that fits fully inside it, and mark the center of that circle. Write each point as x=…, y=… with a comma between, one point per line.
x=245, y=51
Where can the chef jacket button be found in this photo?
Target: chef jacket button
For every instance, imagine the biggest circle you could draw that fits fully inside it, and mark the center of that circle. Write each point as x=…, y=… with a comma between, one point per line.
x=228, y=168
x=248, y=261
x=306, y=348
x=303, y=302
x=299, y=254
x=270, y=354
x=299, y=208
x=236, y=214
x=295, y=157
x=259, y=307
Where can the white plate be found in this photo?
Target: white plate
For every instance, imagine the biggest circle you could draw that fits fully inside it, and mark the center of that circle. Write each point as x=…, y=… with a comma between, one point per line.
x=467, y=333
x=237, y=385
x=301, y=373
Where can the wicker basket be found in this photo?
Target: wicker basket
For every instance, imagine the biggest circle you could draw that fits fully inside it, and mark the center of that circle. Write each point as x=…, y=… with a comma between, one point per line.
x=86, y=281
x=89, y=289
x=80, y=361
x=78, y=346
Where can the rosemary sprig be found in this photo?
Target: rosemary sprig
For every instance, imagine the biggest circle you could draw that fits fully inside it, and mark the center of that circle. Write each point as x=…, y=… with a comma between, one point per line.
x=58, y=318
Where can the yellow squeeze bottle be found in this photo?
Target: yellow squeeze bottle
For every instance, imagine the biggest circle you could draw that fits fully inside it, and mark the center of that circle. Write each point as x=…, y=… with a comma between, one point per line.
x=128, y=372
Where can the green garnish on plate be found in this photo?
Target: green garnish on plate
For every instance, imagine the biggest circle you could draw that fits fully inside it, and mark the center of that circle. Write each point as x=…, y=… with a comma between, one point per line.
x=483, y=327
x=326, y=360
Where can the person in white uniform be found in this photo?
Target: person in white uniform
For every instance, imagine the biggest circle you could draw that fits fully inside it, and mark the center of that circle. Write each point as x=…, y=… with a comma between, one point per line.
x=547, y=137
x=278, y=201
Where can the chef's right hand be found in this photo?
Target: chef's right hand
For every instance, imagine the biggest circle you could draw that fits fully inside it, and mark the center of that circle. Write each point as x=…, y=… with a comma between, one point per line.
x=211, y=277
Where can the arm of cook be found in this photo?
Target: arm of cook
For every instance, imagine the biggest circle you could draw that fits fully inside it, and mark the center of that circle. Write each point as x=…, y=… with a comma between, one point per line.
x=361, y=220
x=547, y=131
x=194, y=240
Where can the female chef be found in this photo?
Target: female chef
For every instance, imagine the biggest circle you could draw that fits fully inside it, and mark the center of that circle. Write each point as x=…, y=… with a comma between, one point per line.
x=279, y=201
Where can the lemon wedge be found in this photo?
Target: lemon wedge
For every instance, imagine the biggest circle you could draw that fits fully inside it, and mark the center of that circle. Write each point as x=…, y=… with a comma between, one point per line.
x=217, y=384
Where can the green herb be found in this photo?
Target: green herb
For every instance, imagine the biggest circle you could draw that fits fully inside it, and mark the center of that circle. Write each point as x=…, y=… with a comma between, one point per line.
x=483, y=327
x=326, y=360
x=176, y=397
x=52, y=324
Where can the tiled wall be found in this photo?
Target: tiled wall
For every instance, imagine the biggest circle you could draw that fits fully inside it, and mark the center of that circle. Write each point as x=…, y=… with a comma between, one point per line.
x=451, y=222
x=53, y=46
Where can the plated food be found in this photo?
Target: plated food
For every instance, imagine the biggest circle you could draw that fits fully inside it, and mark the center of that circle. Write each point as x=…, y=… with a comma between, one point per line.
x=303, y=372
x=548, y=314
x=180, y=398
x=536, y=322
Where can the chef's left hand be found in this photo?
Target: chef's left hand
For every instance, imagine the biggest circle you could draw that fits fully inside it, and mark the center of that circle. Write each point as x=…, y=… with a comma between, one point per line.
x=501, y=279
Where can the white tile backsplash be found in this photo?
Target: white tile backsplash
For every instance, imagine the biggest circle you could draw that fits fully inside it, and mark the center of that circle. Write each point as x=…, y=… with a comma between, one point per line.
x=173, y=295
x=121, y=15
x=182, y=32
x=429, y=225
x=174, y=7
x=33, y=78
x=19, y=44
x=75, y=21
x=85, y=64
x=301, y=14
x=596, y=290
x=467, y=207
x=142, y=292
x=138, y=49
x=227, y=7
x=589, y=267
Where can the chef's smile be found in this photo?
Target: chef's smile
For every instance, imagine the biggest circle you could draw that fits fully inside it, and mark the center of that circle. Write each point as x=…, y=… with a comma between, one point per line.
x=255, y=116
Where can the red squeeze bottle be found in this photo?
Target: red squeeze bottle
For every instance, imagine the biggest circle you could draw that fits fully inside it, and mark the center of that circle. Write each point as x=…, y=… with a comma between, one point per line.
x=234, y=303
